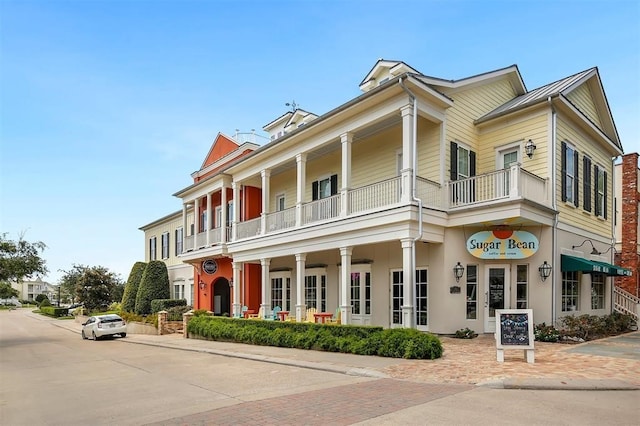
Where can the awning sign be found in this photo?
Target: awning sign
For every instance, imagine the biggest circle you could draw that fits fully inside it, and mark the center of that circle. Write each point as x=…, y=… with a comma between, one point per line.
x=502, y=244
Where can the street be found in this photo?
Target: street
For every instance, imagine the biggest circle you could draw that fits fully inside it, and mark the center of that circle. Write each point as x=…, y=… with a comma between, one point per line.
x=50, y=376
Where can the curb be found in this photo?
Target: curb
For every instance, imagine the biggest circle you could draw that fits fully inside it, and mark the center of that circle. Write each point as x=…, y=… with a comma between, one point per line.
x=561, y=384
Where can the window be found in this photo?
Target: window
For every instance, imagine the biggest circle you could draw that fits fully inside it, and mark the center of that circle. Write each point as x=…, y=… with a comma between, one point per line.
x=570, y=291
x=600, y=191
x=421, y=297
x=165, y=245
x=586, y=186
x=325, y=188
x=179, y=238
x=281, y=291
x=569, y=174
x=178, y=290
x=472, y=292
x=218, y=216
x=315, y=289
x=203, y=221
x=463, y=162
x=152, y=248
x=522, y=274
x=396, y=297
x=597, y=291
x=280, y=202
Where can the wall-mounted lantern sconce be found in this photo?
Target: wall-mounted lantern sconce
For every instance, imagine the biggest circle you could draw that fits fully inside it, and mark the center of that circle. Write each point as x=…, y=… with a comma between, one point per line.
x=545, y=271
x=458, y=270
x=529, y=147
x=203, y=285
x=593, y=248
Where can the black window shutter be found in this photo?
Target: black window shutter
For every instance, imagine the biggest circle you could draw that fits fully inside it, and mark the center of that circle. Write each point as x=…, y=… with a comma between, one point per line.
x=454, y=161
x=586, y=189
x=564, y=171
x=472, y=163
x=334, y=184
x=596, y=209
x=314, y=191
x=576, y=180
x=605, y=196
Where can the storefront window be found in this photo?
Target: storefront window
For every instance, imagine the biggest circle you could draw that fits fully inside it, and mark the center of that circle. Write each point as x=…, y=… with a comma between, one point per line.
x=521, y=286
x=597, y=291
x=570, y=291
x=472, y=291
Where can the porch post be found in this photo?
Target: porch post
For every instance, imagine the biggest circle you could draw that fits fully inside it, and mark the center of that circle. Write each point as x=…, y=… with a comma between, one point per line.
x=196, y=223
x=408, y=282
x=184, y=226
x=300, y=301
x=223, y=214
x=301, y=172
x=347, y=140
x=266, y=288
x=237, y=285
x=265, y=174
x=236, y=209
x=407, y=153
x=208, y=213
x=345, y=284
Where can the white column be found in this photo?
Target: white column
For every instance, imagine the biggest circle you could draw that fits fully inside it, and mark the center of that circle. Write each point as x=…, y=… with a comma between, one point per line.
x=301, y=162
x=236, y=210
x=266, y=288
x=301, y=307
x=237, y=285
x=196, y=223
x=265, y=174
x=347, y=140
x=408, y=282
x=345, y=284
x=208, y=224
x=223, y=207
x=184, y=226
x=407, y=152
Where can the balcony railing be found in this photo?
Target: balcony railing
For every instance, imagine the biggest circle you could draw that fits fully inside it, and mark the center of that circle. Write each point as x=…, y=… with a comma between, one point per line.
x=374, y=196
x=429, y=192
x=248, y=228
x=511, y=183
x=283, y=219
x=321, y=210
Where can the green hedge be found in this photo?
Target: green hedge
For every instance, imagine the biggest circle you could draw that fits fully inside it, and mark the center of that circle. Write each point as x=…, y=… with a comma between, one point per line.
x=158, y=305
x=54, y=311
x=360, y=340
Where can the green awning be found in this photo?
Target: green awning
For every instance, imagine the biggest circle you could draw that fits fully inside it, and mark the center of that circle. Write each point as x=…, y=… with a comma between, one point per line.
x=572, y=263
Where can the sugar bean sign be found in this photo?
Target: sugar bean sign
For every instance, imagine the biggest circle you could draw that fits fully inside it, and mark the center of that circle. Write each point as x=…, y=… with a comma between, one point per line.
x=514, y=330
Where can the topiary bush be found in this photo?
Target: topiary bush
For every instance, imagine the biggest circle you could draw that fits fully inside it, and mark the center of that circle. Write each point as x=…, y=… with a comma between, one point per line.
x=158, y=305
x=154, y=285
x=361, y=340
x=131, y=287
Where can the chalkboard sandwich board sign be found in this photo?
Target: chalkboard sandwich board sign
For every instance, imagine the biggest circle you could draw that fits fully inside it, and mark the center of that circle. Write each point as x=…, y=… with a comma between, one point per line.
x=514, y=330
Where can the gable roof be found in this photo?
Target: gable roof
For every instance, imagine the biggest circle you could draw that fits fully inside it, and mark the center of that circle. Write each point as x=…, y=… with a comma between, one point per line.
x=395, y=68
x=562, y=88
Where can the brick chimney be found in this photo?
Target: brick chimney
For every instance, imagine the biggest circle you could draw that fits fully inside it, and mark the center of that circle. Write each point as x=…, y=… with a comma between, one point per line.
x=629, y=205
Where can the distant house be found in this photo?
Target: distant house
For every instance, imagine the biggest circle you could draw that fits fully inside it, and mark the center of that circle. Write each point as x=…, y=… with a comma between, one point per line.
x=30, y=289
x=424, y=202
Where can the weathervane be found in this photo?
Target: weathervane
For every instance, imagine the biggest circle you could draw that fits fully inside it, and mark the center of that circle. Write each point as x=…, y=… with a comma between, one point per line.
x=294, y=106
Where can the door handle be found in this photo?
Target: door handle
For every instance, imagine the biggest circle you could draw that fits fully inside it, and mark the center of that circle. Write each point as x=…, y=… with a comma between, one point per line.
x=486, y=299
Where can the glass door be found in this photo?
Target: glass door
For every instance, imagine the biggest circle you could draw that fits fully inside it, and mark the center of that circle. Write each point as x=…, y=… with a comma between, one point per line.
x=360, y=288
x=496, y=294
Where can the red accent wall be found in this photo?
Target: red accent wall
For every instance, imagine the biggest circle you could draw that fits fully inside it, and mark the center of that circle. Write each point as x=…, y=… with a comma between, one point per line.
x=252, y=202
x=204, y=298
x=252, y=286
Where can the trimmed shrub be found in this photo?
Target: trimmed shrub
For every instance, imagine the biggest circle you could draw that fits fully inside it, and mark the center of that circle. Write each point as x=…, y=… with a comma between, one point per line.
x=546, y=333
x=45, y=302
x=362, y=340
x=53, y=311
x=175, y=313
x=154, y=285
x=131, y=287
x=158, y=305
x=589, y=327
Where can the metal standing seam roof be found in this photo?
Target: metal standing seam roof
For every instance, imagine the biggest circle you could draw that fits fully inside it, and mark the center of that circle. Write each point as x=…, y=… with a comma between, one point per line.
x=537, y=95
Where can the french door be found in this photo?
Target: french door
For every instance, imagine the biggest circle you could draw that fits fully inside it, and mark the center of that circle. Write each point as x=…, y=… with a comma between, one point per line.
x=496, y=294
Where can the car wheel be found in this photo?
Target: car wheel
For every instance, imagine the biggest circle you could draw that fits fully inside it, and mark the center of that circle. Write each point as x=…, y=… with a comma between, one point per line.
x=123, y=334
x=84, y=336
x=93, y=334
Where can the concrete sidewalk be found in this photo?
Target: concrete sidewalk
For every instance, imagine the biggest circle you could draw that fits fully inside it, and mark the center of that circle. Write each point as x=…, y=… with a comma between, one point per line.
x=585, y=366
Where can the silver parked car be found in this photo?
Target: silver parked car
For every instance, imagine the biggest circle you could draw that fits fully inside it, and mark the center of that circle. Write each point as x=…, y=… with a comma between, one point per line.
x=104, y=325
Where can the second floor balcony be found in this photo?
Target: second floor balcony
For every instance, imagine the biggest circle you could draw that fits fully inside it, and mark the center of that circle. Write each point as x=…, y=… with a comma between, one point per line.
x=513, y=184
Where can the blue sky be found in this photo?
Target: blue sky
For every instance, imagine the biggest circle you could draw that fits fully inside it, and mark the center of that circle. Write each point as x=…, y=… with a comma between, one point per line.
x=108, y=106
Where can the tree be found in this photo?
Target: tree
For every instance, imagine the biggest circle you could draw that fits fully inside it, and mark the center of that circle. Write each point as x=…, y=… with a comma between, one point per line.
x=20, y=259
x=154, y=285
x=40, y=297
x=131, y=287
x=7, y=292
x=93, y=286
x=69, y=281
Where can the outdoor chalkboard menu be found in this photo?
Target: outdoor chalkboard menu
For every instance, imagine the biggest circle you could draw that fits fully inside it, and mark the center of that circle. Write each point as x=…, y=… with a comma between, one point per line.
x=514, y=330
